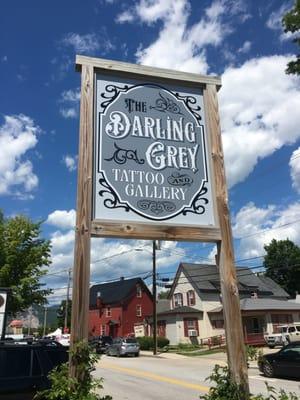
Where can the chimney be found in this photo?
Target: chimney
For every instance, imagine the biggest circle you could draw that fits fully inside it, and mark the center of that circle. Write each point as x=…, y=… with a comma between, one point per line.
x=122, y=278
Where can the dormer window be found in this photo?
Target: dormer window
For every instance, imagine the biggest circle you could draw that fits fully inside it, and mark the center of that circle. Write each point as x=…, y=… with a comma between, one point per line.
x=191, y=300
x=178, y=300
x=138, y=291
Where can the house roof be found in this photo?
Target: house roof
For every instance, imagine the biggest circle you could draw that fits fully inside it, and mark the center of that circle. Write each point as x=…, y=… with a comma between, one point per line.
x=205, y=278
x=181, y=310
x=262, y=305
x=115, y=292
x=162, y=305
x=277, y=290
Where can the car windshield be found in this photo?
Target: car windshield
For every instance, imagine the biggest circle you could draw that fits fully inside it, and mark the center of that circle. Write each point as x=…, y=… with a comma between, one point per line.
x=283, y=329
x=131, y=340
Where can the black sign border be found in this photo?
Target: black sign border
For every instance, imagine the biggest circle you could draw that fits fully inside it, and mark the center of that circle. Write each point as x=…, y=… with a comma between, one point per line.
x=198, y=202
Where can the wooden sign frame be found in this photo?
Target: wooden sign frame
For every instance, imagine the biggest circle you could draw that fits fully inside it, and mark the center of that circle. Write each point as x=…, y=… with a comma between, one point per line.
x=145, y=230
x=221, y=235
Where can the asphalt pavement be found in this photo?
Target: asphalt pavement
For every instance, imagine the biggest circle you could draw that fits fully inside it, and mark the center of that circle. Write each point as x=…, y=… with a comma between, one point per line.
x=169, y=376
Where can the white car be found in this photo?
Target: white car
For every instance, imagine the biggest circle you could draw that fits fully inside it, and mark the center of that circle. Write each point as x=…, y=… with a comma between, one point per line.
x=287, y=334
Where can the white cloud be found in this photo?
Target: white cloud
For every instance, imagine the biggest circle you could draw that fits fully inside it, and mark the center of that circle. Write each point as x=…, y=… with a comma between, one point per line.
x=256, y=227
x=125, y=16
x=18, y=135
x=295, y=169
x=274, y=21
x=70, y=162
x=259, y=106
x=62, y=219
x=69, y=103
x=245, y=48
x=179, y=46
x=82, y=43
x=88, y=43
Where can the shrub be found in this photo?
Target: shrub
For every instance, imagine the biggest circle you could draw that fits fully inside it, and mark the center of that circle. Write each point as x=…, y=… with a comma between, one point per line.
x=64, y=387
x=146, y=342
x=251, y=353
x=226, y=389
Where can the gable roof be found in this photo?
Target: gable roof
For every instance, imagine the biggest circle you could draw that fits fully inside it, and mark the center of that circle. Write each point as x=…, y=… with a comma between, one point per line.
x=205, y=278
x=262, y=305
x=115, y=292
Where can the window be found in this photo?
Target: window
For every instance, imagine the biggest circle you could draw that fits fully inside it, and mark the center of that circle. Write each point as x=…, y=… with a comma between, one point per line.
x=190, y=324
x=217, y=323
x=138, y=291
x=191, y=301
x=102, y=330
x=108, y=312
x=138, y=310
x=178, y=301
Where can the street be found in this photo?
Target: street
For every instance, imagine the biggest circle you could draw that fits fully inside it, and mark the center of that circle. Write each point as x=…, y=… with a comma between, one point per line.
x=171, y=376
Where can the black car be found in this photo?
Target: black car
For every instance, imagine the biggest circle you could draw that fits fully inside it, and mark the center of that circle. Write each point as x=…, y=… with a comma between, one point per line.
x=100, y=343
x=24, y=367
x=285, y=362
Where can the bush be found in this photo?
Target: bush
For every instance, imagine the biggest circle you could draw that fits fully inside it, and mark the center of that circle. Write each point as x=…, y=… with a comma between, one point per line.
x=226, y=389
x=251, y=353
x=146, y=342
x=65, y=388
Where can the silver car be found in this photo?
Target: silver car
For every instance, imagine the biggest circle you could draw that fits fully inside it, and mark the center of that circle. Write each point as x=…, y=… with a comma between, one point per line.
x=123, y=347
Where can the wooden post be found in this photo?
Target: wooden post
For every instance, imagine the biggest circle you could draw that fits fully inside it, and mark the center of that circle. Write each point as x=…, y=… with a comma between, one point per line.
x=230, y=295
x=81, y=274
x=154, y=298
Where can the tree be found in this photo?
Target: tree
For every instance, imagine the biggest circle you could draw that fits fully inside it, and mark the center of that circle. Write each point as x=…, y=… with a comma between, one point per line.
x=291, y=23
x=24, y=258
x=282, y=263
x=61, y=312
x=163, y=294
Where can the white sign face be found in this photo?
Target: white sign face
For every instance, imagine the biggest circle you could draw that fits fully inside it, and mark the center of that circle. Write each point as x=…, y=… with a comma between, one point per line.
x=151, y=161
x=3, y=297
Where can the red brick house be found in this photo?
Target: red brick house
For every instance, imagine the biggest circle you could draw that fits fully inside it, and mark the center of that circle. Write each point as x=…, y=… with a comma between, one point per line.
x=117, y=307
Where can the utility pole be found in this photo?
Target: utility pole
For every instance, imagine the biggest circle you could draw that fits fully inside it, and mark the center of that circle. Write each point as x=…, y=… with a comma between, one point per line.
x=67, y=302
x=30, y=320
x=155, y=246
x=45, y=320
x=154, y=298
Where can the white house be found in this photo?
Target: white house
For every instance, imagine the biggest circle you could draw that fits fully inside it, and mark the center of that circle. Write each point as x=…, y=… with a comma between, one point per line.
x=193, y=311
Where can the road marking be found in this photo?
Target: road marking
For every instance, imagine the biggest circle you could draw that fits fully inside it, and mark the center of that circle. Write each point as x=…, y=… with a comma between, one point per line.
x=160, y=378
x=261, y=378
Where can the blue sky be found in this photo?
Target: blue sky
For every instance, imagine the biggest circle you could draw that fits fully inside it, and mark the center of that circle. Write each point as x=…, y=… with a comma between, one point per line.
x=240, y=40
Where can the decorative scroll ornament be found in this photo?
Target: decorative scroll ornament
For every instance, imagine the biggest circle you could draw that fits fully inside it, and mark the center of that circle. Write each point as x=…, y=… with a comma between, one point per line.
x=156, y=207
x=198, y=204
x=112, y=199
x=190, y=102
x=121, y=156
x=111, y=93
x=164, y=104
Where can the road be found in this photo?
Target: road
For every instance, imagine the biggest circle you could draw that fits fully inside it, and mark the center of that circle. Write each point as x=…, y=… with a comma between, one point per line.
x=170, y=377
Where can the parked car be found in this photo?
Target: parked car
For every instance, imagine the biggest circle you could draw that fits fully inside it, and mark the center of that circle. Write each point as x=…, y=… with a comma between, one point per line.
x=123, y=347
x=24, y=367
x=285, y=362
x=100, y=343
x=285, y=335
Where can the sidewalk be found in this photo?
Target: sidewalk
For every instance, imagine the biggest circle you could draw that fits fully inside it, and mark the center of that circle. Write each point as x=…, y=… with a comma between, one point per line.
x=166, y=354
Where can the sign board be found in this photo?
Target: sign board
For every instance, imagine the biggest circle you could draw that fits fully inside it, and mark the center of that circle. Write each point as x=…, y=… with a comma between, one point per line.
x=3, y=299
x=152, y=153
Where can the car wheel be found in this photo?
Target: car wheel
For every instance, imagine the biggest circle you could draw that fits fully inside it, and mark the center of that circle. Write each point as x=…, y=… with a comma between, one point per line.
x=271, y=347
x=268, y=370
x=136, y=354
x=118, y=353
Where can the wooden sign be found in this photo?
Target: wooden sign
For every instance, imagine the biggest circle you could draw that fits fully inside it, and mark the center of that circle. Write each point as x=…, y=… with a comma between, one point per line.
x=151, y=166
x=152, y=172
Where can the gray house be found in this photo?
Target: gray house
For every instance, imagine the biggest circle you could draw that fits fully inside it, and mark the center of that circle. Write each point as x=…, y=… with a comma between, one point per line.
x=194, y=311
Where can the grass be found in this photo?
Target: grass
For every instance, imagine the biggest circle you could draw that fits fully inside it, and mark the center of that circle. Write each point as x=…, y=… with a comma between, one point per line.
x=197, y=353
